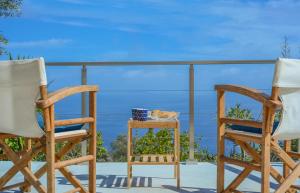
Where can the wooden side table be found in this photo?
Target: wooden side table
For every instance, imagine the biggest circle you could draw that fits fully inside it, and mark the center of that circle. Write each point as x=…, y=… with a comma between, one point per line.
x=169, y=159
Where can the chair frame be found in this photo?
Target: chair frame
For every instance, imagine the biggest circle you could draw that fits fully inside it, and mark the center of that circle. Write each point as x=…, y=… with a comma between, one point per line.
x=22, y=160
x=260, y=161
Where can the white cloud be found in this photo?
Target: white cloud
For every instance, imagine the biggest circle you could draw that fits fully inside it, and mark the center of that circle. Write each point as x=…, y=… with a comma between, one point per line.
x=53, y=42
x=68, y=22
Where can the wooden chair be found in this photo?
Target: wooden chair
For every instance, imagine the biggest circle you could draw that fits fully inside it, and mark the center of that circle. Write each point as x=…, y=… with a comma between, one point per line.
x=21, y=83
x=285, y=96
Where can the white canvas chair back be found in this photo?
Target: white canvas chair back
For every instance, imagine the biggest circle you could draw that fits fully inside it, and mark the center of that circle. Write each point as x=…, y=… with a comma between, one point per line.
x=19, y=89
x=287, y=78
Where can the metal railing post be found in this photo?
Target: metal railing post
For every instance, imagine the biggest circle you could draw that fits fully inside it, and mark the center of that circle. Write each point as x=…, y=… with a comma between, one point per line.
x=191, y=115
x=83, y=105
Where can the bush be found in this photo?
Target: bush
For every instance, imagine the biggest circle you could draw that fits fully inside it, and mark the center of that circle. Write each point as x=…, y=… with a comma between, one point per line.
x=160, y=142
x=119, y=149
x=237, y=112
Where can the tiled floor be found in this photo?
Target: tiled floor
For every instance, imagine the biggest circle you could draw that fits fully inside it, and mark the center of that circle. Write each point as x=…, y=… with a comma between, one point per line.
x=111, y=178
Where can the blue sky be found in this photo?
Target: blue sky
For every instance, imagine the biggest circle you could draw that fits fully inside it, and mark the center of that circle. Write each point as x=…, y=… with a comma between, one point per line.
x=80, y=30
x=98, y=30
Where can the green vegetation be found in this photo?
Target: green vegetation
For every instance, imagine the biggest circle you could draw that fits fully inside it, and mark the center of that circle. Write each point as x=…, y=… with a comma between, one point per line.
x=237, y=112
x=18, y=57
x=17, y=144
x=119, y=149
x=160, y=142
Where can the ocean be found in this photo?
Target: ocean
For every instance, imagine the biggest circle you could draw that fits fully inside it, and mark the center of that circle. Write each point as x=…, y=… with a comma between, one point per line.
x=114, y=110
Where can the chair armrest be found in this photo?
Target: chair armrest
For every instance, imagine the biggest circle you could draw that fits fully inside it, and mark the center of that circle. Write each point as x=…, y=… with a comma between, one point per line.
x=63, y=93
x=252, y=93
x=74, y=121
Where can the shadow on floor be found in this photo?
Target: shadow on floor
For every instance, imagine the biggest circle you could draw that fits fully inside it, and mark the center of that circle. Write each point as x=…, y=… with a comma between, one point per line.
x=194, y=189
x=114, y=181
x=250, y=177
x=111, y=181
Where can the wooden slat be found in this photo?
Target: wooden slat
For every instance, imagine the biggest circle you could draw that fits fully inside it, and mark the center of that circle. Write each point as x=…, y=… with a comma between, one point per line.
x=291, y=178
x=153, y=158
x=9, y=174
x=144, y=158
x=243, y=136
x=74, y=190
x=257, y=158
x=161, y=159
x=152, y=124
x=3, y=157
x=62, y=164
x=294, y=154
x=65, y=92
x=283, y=155
x=67, y=137
x=152, y=163
x=66, y=148
x=25, y=170
x=238, y=180
x=169, y=158
x=247, y=123
x=296, y=187
x=137, y=158
x=241, y=163
x=13, y=186
x=287, y=145
x=74, y=121
x=252, y=93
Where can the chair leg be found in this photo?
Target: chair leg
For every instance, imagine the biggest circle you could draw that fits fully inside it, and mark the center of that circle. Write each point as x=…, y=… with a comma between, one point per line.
x=220, y=142
x=266, y=163
x=27, y=148
x=287, y=148
x=178, y=176
x=50, y=158
x=220, y=168
x=92, y=166
x=129, y=175
x=92, y=142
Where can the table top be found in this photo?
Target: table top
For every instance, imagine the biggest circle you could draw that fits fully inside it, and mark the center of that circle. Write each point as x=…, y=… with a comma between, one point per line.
x=153, y=123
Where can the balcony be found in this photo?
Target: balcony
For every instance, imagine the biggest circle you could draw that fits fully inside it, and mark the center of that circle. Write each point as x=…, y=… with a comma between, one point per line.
x=196, y=177
x=111, y=178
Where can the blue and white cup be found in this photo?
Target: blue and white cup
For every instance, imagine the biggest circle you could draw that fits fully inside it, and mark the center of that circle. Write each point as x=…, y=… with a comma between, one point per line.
x=139, y=114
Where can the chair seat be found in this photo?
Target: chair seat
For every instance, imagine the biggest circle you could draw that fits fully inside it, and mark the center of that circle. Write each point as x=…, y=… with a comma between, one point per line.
x=70, y=134
x=252, y=129
x=59, y=129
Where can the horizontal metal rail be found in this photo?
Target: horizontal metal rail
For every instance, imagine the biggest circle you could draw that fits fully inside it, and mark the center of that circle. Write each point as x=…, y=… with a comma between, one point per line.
x=139, y=63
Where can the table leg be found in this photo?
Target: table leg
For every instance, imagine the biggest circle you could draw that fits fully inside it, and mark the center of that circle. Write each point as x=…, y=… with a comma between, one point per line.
x=178, y=154
x=129, y=154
